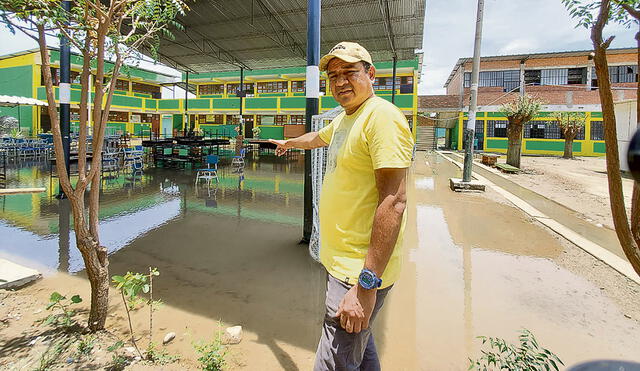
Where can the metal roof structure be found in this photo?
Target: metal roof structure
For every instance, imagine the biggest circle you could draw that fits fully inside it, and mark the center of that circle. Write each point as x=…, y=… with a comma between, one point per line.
x=13, y=101
x=224, y=35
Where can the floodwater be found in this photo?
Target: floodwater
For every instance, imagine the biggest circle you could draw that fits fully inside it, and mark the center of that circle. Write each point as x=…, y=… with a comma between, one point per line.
x=473, y=266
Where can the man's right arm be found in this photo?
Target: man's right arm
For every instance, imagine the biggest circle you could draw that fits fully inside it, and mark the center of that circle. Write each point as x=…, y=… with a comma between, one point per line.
x=306, y=141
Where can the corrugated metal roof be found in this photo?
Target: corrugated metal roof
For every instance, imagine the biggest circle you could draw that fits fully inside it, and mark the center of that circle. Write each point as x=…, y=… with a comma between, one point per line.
x=222, y=35
x=12, y=101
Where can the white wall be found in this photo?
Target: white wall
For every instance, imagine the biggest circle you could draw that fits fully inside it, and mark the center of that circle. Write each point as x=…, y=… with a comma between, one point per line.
x=626, y=125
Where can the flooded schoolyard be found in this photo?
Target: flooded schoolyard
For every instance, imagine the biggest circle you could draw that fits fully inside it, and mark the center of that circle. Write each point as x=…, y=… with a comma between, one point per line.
x=474, y=265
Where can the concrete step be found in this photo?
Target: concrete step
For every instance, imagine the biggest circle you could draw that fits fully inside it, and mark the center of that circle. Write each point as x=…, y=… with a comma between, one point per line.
x=14, y=275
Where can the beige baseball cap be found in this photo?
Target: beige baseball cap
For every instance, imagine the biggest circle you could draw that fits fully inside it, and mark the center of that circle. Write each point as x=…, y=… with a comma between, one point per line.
x=348, y=52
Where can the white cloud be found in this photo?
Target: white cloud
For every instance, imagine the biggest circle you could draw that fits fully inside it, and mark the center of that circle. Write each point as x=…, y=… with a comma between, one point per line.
x=509, y=27
x=518, y=46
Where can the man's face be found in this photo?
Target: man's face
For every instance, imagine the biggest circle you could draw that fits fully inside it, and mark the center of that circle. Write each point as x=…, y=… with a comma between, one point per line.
x=350, y=84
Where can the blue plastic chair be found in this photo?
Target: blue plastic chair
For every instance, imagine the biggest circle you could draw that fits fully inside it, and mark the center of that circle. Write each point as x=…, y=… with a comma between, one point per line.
x=210, y=172
x=239, y=160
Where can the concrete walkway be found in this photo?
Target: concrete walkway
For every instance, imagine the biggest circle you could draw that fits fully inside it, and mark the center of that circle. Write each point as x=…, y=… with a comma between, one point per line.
x=602, y=243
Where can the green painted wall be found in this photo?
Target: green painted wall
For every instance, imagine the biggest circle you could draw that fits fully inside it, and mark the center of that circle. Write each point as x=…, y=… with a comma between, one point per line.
x=293, y=103
x=599, y=147
x=271, y=132
x=169, y=104
x=121, y=100
x=402, y=101
x=545, y=145
x=226, y=103
x=497, y=143
x=328, y=102
x=199, y=103
x=18, y=81
x=177, y=122
x=261, y=103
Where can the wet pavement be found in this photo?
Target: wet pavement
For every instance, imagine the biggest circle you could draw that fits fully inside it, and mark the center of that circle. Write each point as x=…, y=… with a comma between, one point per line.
x=604, y=237
x=474, y=265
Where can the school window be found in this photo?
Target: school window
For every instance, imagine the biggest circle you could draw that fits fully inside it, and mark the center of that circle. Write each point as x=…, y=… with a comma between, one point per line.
x=118, y=116
x=271, y=119
x=404, y=83
x=232, y=89
x=508, y=80
x=211, y=119
x=122, y=85
x=74, y=77
x=272, y=87
x=535, y=130
x=211, y=89
x=577, y=76
x=554, y=76
x=597, y=130
x=496, y=129
x=547, y=130
x=297, y=119
x=298, y=86
x=153, y=90
x=623, y=73
x=532, y=77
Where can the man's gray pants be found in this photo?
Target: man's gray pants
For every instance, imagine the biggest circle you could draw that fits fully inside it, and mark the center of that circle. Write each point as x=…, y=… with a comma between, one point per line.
x=339, y=350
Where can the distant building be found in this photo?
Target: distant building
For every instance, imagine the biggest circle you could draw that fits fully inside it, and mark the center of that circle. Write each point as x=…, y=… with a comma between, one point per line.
x=564, y=81
x=275, y=98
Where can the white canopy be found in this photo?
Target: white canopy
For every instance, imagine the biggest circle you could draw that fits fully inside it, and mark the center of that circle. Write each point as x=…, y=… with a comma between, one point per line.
x=12, y=101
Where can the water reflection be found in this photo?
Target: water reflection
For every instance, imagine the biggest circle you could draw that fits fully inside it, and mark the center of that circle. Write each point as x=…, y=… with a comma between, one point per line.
x=36, y=229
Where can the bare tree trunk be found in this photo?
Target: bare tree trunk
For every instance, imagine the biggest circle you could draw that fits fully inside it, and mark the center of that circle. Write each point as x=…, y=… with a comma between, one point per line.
x=568, y=148
x=514, y=136
x=618, y=210
x=635, y=198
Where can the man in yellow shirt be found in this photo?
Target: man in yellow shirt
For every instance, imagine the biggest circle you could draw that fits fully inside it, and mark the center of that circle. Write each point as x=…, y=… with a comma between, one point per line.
x=361, y=208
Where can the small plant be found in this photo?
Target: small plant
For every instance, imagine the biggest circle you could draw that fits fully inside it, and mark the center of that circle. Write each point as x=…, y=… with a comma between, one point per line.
x=131, y=285
x=212, y=354
x=256, y=131
x=118, y=361
x=85, y=345
x=62, y=316
x=51, y=355
x=527, y=356
x=159, y=356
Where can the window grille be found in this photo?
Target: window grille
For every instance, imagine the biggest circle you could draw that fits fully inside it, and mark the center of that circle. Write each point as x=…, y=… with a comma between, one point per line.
x=497, y=128
x=597, y=130
x=555, y=76
x=211, y=89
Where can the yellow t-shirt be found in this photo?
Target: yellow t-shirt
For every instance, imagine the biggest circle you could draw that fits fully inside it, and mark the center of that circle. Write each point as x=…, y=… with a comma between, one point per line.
x=376, y=136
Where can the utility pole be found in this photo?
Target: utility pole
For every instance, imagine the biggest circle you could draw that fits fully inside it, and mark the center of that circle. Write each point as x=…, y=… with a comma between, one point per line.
x=65, y=97
x=469, y=131
x=312, y=88
x=187, y=123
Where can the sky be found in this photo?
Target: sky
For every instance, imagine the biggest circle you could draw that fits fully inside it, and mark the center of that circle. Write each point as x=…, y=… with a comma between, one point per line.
x=509, y=27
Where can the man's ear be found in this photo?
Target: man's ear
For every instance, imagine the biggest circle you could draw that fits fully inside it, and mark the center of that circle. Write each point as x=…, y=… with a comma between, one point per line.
x=372, y=73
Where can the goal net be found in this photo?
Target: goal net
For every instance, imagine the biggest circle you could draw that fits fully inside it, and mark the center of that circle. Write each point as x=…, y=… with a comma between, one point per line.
x=318, y=163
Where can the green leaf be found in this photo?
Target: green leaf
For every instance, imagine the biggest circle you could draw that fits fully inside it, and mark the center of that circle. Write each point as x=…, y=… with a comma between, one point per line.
x=119, y=344
x=117, y=279
x=56, y=296
x=76, y=299
x=145, y=288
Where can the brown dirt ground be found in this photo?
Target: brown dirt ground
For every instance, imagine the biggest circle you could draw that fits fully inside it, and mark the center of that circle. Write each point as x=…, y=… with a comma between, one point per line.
x=579, y=184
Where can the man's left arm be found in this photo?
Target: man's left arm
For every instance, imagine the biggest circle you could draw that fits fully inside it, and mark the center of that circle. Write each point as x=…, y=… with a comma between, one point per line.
x=357, y=306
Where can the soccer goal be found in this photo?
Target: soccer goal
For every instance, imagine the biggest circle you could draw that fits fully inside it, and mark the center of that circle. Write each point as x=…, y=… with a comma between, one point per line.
x=318, y=163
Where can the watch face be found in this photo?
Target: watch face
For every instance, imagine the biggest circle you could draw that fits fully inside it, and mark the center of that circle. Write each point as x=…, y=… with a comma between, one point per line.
x=366, y=279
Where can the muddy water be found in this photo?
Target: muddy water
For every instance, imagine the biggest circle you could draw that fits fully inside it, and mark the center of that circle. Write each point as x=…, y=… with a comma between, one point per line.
x=476, y=267
x=473, y=266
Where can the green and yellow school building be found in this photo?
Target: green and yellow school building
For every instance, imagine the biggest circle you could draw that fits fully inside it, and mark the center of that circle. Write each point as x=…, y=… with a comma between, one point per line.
x=274, y=100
